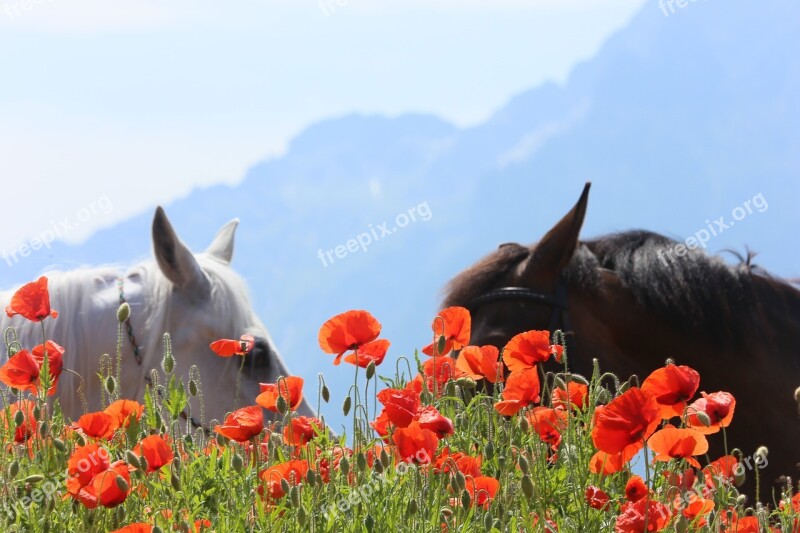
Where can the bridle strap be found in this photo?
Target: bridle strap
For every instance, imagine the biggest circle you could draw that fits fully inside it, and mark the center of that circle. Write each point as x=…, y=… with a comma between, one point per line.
x=137, y=352
x=558, y=300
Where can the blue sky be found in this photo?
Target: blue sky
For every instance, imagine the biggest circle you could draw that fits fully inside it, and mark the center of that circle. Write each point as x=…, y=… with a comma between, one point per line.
x=140, y=101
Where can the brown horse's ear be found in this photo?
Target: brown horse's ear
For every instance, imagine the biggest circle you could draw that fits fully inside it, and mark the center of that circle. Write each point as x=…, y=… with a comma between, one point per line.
x=554, y=252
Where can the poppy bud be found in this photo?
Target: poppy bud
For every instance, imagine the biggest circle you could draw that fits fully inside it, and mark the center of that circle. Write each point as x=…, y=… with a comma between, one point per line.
x=369, y=522
x=132, y=459
x=157, y=529
x=523, y=464
x=80, y=439
x=188, y=439
x=120, y=510
x=193, y=388
x=741, y=500
x=175, y=481
x=301, y=517
x=111, y=384
x=13, y=469
x=285, y=486
x=441, y=343
x=294, y=496
x=524, y=425
x=35, y=478
x=168, y=363
x=346, y=407
x=326, y=394
x=59, y=445
x=123, y=312
x=412, y=507
x=361, y=461
x=344, y=466
x=44, y=428
x=461, y=481
x=450, y=388
x=703, y=418
x=385, y=459
x=797, y=395
x=122, y=484
x=527, y=487
x=488, y=521
x=426, y=397
x=237, y=462
x=762, y=452
x=466, y=499
x=446, y=513
x=370, y=369
x=377, y=467
x=281, y=405
x=311, y=478
x=488, y=451
x=143, y=463
x=466, y=383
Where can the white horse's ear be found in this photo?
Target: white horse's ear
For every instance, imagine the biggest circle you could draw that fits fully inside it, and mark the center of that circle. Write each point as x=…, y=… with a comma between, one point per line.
x=222, y=246
x=175, y=259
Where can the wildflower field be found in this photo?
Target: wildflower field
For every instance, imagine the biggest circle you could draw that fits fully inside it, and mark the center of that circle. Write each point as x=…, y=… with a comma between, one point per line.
x=461, y=438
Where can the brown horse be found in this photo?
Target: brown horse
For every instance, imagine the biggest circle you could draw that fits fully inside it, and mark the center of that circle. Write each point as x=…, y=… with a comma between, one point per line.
x=623, y=299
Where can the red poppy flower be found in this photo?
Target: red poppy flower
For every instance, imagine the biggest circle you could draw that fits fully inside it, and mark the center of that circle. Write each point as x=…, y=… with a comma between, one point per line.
x=28, y=428
x=55, y=361
x=628, y=420
x=522, y=389
x=454, y=324
x=242, y=424
x=400, y=405
x=611, y=463
x=138, y=527
x=672, y=387
x=21, y=371
x=467, y=465
x=415, y=444
x=93, y=479
x=97, y=425
x=719, y=407
x=723, y=470
x=746, y=524
x=290, y=388
x=293, y=472
x=576, y=396
x=694, y=508
x=348, y=331
x=635, y=489
x=634, y=516
x=548, y=423
x=480, y=363
x=230, y=347
x=673, y=443
x=32, y=301
x=482, y=490
x=371, y=352
x=437, y=372
x=597, y=498
x=301, y=430
x=527, y=349
x=430, y=418
x=156, y=451
x=124, y=410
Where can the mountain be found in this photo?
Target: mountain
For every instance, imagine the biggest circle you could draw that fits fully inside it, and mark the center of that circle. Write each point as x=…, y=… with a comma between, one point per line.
x=678, y=120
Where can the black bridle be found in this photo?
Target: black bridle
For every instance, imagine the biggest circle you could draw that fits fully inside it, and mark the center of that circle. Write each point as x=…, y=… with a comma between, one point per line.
x=558, y=301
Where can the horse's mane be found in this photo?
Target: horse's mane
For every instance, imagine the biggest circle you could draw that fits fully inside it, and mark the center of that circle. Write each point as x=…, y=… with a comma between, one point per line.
x=691, y=291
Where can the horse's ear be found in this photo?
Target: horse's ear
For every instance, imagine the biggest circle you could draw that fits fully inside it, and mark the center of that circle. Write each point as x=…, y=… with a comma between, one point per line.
x=175, y=259
x=222, y=246
x=554, y=252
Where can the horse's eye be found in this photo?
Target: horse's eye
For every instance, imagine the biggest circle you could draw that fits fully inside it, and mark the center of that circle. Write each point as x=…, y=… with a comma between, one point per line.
x=261, y=354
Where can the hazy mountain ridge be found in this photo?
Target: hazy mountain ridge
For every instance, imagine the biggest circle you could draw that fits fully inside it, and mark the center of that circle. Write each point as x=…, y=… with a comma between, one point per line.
x=668, y=121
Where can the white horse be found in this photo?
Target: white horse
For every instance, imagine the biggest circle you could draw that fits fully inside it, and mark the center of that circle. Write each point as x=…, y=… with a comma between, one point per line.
x=196, y=298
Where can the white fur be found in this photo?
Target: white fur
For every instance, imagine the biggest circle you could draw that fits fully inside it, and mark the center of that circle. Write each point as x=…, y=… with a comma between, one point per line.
x=87, y=300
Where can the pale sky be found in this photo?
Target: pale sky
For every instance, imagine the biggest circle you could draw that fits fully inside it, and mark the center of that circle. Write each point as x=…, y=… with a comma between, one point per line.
x=130, y=103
